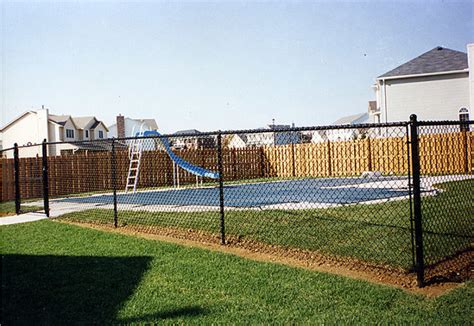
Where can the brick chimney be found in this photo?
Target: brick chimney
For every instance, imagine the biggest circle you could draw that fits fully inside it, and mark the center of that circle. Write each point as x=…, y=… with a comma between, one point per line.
x=120, y=126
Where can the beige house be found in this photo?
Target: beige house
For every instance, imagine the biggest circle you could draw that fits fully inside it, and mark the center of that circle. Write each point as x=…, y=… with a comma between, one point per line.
x=32, y=127
x=437, y=85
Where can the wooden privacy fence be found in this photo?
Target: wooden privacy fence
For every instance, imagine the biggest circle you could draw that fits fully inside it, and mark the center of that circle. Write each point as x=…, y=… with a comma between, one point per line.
x=80, y=173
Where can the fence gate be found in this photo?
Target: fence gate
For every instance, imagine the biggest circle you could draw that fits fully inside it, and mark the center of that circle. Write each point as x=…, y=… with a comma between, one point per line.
x=29, y=169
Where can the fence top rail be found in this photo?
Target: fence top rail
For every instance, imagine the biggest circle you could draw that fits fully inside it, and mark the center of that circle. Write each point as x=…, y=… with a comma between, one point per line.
x=256, y=131
x=444, y=123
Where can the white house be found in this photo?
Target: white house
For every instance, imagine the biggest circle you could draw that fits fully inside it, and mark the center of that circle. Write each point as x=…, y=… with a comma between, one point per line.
x=236, y=141
x=32, y=127
x=343, y=134
x=273, y=135
x=128, y=127
x=437, y=85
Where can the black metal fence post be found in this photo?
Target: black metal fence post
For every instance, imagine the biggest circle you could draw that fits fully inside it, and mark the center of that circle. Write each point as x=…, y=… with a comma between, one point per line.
x=221, y=185
x=114, y=181
x=415, y=158
x=16, y=161
x=45, y=178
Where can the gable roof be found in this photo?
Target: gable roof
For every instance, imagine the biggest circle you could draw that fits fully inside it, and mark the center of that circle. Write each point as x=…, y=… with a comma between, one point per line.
x=243, y=137
x=352, y=119
x=436, y=60
x=59, y=119
x=278, y=127
x=82, y=122
x=98, y=122
x=190, y=132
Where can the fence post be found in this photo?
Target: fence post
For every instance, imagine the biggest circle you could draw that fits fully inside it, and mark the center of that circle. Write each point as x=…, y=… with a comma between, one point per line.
x=261, y=149
x=293, y=163
x=45, y=178
x=16, y=162
x=369, y=154
x=329, y=158
x=221, y=185
x=114, y=181
x=415, y=158
x=466, y=151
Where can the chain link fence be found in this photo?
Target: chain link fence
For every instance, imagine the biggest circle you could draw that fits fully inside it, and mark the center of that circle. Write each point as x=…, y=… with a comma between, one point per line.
x=395, y=198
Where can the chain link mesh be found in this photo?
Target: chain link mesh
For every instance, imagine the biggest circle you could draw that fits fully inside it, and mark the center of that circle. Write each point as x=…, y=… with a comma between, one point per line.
x=324, y=195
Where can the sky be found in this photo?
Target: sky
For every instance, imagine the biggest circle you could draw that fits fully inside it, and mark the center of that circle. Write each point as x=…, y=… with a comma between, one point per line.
x=214, y=65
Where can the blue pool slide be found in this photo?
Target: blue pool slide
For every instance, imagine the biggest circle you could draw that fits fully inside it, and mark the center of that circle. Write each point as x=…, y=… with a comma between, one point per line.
x=185, y=165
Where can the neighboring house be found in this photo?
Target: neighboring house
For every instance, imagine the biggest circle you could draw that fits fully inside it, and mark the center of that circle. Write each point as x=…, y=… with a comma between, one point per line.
x=191, y=139
x=343, y=134
x=32, y=127
x=128, y=127
x=268, y=136
x=437, y=85
x=236, y=141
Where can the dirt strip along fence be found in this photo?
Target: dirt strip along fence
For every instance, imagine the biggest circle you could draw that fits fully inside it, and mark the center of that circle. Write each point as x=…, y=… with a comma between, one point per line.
x=445, y=153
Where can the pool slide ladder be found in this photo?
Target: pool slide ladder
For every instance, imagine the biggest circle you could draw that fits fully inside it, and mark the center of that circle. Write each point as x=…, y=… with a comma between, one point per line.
x=135, y=155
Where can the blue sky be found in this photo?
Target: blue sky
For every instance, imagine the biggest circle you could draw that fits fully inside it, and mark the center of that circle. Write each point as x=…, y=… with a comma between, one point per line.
x=215, y=65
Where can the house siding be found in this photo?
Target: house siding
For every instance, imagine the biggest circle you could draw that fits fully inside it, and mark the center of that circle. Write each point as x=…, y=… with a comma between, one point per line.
x=96, y=132
x=131, y=127
x=31, y=129
x=430, y=98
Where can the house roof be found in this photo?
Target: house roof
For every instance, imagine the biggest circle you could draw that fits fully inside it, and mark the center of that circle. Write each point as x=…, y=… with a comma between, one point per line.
x=78, y=122
x=190, y=132
x=241, y=136
x=95, y=124
x=59, y=119
x=351, y=119
x=82, y=122
x=436, y=60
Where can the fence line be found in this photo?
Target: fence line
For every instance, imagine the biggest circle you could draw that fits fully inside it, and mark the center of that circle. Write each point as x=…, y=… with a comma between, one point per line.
x=439, y=153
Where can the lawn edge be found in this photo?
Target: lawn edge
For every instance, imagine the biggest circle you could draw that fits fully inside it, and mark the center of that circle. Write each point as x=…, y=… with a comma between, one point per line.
x=430, y=291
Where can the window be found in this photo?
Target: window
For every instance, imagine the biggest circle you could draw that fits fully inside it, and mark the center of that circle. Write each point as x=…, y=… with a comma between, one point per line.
x=87, y=133
x=69, y=133
x=101, y=134
x=464, y=116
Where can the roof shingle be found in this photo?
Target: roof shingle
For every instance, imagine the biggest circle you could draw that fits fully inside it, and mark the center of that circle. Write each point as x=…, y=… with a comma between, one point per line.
x=436, y=60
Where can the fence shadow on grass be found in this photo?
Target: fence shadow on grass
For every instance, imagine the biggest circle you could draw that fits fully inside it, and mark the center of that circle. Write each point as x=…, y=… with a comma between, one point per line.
x=65, y=289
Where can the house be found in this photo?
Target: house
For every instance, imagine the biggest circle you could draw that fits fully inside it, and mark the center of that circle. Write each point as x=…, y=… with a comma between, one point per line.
x=236, y=141
x=128, y=127
x=343, y=134
x=267, y=136
x=437, y=85
x=191, y=139
x=32, y=127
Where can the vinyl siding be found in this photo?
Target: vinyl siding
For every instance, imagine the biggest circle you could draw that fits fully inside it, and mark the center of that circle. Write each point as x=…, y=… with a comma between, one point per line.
x=430, y=98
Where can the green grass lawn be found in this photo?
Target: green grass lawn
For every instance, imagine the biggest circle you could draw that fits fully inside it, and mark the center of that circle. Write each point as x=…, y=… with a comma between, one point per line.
x=379, y=233
x=8, y=208
x=54, y=273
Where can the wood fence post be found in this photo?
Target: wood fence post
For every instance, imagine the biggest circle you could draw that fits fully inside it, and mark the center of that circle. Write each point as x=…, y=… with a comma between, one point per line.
x=329, y=159
x=369, y=154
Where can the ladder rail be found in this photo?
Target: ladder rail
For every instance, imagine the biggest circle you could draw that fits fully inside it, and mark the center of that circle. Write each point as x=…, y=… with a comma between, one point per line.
x=135, y=155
